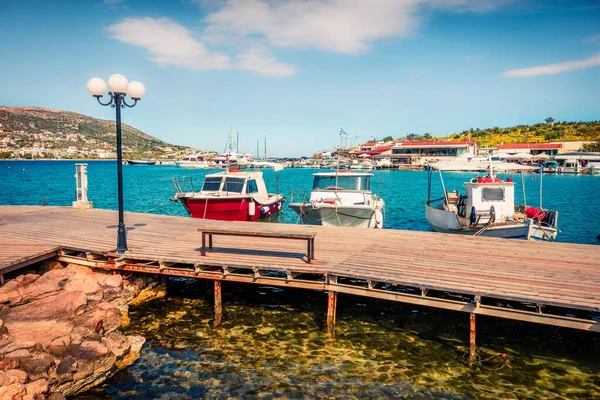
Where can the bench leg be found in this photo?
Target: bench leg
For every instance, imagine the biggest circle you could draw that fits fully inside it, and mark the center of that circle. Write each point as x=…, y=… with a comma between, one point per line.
x=312, y=245
x=308, y=251
x=203, y=250
x=210, y=242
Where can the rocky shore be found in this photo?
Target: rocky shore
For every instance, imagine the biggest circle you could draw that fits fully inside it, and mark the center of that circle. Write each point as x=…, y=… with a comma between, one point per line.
x=59, y=331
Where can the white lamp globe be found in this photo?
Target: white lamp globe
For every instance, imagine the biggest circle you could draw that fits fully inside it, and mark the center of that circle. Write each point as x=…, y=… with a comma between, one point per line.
x=96, y=87
x=136, y=90
x=118, y=83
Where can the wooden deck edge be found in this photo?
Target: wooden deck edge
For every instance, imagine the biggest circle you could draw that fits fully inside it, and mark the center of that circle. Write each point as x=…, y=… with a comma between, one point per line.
x=29, y=260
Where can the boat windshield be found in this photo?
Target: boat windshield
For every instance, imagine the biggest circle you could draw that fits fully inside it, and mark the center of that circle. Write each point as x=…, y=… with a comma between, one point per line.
x=234, y=185
x=360, y=182
x=212, y=184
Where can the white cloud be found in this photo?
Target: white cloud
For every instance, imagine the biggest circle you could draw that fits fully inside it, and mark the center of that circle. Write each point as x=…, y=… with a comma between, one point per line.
x=342, y=26
x=593, y=39
x=168, y=43
x=553, y=69
x=257, y=60
x=112, y=1
x=263, y=26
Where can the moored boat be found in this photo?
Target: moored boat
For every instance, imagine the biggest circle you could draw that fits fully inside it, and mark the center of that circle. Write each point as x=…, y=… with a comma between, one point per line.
x=141, y=162
x=488, y=209
x=230, y=195
x=195, y=161
x=341, y=198
x=570, y=166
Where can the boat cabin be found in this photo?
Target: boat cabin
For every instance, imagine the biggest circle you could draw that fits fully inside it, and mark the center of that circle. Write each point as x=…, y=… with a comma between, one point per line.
x=194, y=158
x=346, y=180
x=484, y=198
x=235, y=183
x=343, y=187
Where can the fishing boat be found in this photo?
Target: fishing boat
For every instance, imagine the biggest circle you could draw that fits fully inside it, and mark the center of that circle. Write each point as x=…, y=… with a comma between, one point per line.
x=141, y=162
x=570, y=166
x=550, y=167
x=230, y=195
x=341, y=198
x=488, y=209
x=195, y=161
x=593, y=167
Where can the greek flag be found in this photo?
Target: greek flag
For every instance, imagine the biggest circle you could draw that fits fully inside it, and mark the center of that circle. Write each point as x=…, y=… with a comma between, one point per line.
x=343, y=132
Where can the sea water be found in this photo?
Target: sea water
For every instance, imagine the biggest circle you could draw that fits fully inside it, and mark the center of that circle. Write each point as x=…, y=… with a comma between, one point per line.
x=150, y=188
x=272, y=342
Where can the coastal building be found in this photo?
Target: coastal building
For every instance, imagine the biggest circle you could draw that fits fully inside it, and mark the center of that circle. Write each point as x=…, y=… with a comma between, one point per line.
x=415, y=152
x=533, y=149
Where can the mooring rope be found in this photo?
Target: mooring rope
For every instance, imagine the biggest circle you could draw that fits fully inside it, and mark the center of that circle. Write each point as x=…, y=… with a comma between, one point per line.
x=158, y=206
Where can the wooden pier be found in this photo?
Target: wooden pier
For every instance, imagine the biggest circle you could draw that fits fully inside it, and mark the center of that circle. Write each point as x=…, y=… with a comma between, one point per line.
x=538, y=282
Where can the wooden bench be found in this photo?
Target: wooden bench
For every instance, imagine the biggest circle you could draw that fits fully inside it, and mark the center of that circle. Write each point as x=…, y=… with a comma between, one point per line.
x=278, y=234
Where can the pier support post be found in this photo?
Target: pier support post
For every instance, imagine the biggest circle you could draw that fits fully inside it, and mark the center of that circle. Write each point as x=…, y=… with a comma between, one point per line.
x=472, y=333
x=218, y=304
x=331, y=309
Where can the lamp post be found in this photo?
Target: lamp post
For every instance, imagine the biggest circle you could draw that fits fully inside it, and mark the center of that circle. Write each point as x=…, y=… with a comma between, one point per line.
x=120, y=88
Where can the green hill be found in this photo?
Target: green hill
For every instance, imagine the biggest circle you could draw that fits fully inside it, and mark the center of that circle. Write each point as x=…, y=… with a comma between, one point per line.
x=53, y=131
x=538, y=133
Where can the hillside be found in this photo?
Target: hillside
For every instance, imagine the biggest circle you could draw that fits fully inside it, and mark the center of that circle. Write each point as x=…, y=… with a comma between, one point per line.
x=54, y=133
x=538, y=133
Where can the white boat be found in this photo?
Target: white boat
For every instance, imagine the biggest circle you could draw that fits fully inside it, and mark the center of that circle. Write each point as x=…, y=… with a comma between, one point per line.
x=593, y=167
x=488, y=209
x=195, y=161
x=341, y=198
x=570, y=166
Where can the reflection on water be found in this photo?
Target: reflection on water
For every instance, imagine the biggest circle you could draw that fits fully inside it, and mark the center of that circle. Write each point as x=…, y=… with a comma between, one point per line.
x=272, y=343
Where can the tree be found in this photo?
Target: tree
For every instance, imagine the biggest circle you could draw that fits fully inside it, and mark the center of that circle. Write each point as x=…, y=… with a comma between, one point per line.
x=427, y=136
x=388, y=139
x=594, y=146
x=550, y=120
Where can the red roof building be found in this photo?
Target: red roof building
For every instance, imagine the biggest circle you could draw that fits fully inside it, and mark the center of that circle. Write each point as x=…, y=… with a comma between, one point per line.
x=532, y=148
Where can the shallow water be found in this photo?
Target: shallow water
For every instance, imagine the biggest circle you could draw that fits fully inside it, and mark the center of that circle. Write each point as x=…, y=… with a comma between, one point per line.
x=149, y=188
x=272, y=343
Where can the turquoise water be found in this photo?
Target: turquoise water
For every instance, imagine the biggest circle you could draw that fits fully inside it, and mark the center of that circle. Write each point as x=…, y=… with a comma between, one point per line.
x=149, y=188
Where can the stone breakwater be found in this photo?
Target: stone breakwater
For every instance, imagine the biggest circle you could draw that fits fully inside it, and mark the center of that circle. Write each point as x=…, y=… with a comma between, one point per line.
x=59, y=331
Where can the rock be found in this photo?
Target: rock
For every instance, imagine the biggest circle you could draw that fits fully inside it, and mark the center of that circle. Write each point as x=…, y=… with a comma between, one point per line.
x=21, y=353
x=16, y=375
x=11, y=347
x=114, y=281
x=37, y=366
x=135, y=347
x=98, y=348
x=49, y=265
x=3, y=379
x=57, y=396
x=149, y=293
x=35, y=389
x=9, y=363
x=103, y=319
x=13, y=391
x=59, y=345
x=3, y=328
x=117, y=343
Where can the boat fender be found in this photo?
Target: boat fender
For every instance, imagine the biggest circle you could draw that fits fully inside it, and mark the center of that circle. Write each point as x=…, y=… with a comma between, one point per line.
x=378, y=218
x=264, y=209
x=251, y=208
x=473, y=216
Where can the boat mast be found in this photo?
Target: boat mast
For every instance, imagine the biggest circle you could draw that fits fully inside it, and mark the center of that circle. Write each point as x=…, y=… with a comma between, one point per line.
x=541, y=178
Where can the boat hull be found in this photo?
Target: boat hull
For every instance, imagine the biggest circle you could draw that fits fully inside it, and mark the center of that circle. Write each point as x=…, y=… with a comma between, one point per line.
x=237, y=209
x=330, y=215
x=447, y=222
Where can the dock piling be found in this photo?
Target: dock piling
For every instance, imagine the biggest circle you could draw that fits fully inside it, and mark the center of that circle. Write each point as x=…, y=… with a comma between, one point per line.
x=472, y=333
x=218, y=303
x=331, y=309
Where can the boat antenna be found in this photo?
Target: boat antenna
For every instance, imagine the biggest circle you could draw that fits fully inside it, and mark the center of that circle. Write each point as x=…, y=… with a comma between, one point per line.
x=541, y=178
x=229, y=139
x=523, y=186
x=491, y=168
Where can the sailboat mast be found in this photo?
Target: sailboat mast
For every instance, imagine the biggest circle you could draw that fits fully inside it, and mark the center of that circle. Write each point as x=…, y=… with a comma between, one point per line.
x=265, y=155
x=257, y=153
x=237, y=143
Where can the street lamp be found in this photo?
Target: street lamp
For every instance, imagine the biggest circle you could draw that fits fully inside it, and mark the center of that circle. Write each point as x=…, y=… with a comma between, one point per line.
x=120, y=88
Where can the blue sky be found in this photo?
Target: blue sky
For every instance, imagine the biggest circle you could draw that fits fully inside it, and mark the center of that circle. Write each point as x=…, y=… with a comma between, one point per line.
x=295, y=71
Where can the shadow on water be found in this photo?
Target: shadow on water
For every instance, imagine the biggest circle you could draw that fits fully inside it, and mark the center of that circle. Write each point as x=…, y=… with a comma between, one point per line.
x=272, y=343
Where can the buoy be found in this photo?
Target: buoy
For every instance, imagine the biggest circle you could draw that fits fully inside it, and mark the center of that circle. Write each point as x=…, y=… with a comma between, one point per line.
x=264, y=209
x=251, y=208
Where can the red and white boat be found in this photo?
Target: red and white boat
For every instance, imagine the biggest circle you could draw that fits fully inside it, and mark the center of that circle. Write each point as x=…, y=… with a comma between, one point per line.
x=231, y=196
